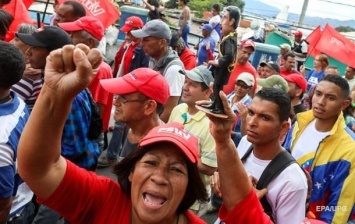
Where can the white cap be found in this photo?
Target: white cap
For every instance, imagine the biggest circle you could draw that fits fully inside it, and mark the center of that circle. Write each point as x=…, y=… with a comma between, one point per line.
x=285, y=46
x=247, y=78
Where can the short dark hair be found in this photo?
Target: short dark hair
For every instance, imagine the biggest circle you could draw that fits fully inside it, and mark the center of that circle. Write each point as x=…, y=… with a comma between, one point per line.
x=160, y=107
x=234, y=13
x=78, y=9
x=216, y=7
x=185, y=1
x=5, y=22
x=5, y=2
x=278, y=97
x=204, y=86
x=154, y=3
x=289, y=54
x=195, y=190
x=12, y=65
x=340, y=82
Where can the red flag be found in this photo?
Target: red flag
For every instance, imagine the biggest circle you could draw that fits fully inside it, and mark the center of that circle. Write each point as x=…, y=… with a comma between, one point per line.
x=312, y=40
x=27, y=3
x=103, y=10
x=337, y=46
x=19, y=11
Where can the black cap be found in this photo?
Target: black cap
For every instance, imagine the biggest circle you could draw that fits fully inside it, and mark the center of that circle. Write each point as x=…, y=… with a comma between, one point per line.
x=50, y=37
x=271, y=65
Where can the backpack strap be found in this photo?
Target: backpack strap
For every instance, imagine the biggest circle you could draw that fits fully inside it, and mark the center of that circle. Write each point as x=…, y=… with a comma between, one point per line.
x=247, y=154
x=280, y=162
x=176, y=61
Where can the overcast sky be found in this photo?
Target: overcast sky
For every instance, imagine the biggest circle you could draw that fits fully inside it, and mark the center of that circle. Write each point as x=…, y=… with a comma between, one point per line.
x=320, y=8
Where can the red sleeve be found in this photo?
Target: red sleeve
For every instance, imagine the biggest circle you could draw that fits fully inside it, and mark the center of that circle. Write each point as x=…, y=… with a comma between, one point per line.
x=84, y=197
x=118, y=58
x=210, y=55
x=188, y=58
x=100, y=95
x=247, y=211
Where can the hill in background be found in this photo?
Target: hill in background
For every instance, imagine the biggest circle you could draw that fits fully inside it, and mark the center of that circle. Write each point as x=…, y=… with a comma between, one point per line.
x=261, y=9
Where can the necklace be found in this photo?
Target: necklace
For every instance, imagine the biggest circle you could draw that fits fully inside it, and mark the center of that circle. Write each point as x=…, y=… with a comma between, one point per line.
x=5, y=99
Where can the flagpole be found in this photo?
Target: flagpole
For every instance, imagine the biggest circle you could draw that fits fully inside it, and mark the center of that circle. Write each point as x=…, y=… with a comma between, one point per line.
x=38, y=20
x=45, y=10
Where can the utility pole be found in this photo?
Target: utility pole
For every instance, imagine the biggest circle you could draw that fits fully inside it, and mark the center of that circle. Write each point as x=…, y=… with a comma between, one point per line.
x=303, y=13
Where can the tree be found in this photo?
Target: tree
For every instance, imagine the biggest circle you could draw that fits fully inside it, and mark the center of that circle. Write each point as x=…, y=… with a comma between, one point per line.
x=205, y=5
x=239, y=3
x=344, y=29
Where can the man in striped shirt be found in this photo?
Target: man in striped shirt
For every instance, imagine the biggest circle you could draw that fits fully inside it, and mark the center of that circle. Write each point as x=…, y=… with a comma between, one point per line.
x=15, y=196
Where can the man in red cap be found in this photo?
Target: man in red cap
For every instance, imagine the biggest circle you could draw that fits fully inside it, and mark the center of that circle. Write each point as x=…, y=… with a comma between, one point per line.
x=129, y=56
x=245, y=50
x=297, y=86
x=89, y=31
x=140, y=97
x=300, y=48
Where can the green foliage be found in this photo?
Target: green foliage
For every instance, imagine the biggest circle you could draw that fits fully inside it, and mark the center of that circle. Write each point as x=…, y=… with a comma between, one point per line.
x=239, y=3
x=344, y=29
x=201, y=6
x=171, y=4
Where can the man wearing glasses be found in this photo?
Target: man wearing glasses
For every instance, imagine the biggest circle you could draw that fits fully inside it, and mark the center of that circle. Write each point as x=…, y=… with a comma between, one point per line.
x=140, y=97
x=238, y=101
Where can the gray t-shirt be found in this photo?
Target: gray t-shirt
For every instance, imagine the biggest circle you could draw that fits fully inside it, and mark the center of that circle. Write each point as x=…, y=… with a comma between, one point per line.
x=127, y=149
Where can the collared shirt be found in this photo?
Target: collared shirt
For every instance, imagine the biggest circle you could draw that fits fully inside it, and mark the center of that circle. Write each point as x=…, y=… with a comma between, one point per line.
x=76, y=146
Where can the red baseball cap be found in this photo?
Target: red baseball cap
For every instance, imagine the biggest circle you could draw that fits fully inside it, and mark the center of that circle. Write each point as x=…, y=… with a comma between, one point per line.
x=144, y=80
x=298, y=79
x=132, y=22
x=298, y=33
x=248, y=43
x=174, y=133
x=88, y=23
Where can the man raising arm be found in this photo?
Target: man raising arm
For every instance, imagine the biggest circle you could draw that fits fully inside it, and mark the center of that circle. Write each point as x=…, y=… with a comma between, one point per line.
x=44, y=169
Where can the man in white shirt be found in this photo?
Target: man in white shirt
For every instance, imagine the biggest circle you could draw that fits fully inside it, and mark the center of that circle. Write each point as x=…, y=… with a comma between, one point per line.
x=156, y=36
x=215, y=22
x=267, y=120
x=350, y=77
x=300, y=49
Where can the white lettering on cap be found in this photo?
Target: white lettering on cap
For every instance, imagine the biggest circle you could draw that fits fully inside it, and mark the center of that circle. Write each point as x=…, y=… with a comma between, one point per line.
x=175, y=131
x=132, y=76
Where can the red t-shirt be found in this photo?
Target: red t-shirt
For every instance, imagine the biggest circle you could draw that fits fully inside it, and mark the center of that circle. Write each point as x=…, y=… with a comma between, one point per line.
x=128, y=56
x=102, y=96
x=247, y=67
x=84, y=197
x=188, y=58
x=283, y=72
x=249, y=210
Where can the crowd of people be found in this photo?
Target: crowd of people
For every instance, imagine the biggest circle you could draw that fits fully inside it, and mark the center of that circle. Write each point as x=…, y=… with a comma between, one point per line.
x=275, y=144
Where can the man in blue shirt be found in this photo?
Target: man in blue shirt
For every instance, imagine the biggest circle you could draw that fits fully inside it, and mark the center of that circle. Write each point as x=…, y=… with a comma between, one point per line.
x=206, y=46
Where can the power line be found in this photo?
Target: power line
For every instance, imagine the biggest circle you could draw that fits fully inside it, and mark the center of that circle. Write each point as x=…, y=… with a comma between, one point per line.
x=337, y=3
